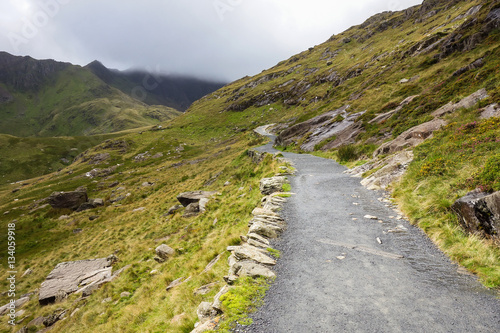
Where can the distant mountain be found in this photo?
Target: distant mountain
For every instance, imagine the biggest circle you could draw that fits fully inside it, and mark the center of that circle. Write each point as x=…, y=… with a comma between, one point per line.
x=174, y=91
x=50, y=98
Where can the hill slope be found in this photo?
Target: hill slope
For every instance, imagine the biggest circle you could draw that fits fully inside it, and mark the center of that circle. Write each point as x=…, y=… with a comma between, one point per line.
x=154, y=88
x=49, y=98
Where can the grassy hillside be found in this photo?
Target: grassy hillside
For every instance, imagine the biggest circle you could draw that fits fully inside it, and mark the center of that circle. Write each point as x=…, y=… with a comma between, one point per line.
x=372, y=68
x=427, y=51
x=55, y=99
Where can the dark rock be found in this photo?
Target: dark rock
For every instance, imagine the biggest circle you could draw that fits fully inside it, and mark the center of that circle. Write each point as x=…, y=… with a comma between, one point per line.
x=99, y=158
x=68, y=200
x=54, y=317
x=476, y=64
x=479, y=213
x=85, y=206
x=93, y=217
x=193, y=197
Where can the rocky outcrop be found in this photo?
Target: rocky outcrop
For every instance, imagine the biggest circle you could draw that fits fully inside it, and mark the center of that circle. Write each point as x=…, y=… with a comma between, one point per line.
x=68, y=200
x=382, y=172
x=388, y=170
x=16, y=305
x=271, y=185
x=379, y=119
x=466, y=102
x=479, y=214
x=481, y=27
x=416, y=135
x=492, y=110
x=474, y=65
x=256, y=156
x=410, y=138
x=195, y=202
x=193, y=197
x=71, y=277
x=339, y=126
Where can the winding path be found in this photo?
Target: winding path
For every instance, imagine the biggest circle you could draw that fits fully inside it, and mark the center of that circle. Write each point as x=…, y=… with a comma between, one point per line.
x=342, y=272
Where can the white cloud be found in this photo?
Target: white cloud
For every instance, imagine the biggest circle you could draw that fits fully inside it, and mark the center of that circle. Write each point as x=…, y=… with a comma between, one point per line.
x=210, y=38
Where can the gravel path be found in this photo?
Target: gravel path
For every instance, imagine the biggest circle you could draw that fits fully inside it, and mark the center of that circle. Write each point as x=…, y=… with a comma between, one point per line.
x=342, y=272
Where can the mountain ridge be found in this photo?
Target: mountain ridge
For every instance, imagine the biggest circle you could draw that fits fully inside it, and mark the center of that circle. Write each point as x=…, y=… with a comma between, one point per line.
x=51, y=98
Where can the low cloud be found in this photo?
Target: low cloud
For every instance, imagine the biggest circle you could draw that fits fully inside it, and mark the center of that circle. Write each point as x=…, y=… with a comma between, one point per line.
x=221, y=39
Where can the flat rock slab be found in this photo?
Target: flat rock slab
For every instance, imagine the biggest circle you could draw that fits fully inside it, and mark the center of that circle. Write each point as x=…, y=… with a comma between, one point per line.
x=247, y=252
x=193, y=197
x=68, y=277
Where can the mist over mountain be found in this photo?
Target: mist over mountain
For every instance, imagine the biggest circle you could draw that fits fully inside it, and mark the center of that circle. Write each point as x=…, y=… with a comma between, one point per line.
x=175, y=91
x=51, y=98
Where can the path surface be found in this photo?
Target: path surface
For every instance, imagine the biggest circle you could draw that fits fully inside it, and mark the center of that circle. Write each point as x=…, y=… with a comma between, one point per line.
x=335, y=276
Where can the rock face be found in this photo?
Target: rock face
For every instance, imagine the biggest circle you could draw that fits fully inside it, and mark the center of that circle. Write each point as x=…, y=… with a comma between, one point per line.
x=467, y=102
x=479, y=213
x=492, y=110
x=337, y=124
x=384, y=116
x=410, y=138
x=69, y=200
x=390, y=169
x=70, y=277
x=272, y=185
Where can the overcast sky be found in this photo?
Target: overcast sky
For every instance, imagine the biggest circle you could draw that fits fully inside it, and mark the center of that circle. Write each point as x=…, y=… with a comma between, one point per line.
x=221, y=39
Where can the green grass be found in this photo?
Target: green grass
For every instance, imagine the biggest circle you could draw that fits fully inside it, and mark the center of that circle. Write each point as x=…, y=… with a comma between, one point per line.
x=76, y=103
x=459, y=158
x=242, y=299
x=133, y=235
